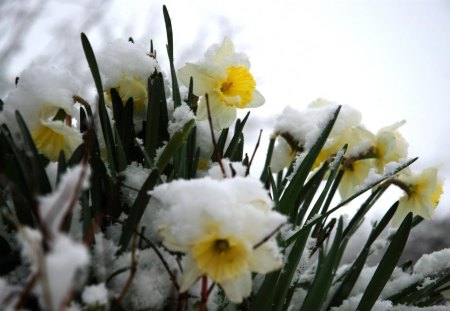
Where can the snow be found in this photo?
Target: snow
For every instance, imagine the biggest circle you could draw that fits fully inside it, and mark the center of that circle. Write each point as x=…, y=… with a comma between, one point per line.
x=231, y=168
x=95, y=295
x=135, y=175
x=54, y=207
x=430, y=264
x=62, y=267
x=180, y=117
x=121, y=58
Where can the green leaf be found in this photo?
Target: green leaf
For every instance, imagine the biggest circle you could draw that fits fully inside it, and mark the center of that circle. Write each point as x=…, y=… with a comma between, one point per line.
x=177, y=140
x=137, y=210
x=292, y=260
x=290, y=194
x=233, y=147
x=62, y=166
x=76, y=156
x=157, y=118
x=266, y=169
x=263, y=300
x=320, y=286
x=386, y=266
x=191, y=152
x=350, y=278
x=120, y=152
x=103, y=114
x=220, y=145
x=175, y=89
x=38, y=169
x=307, y=194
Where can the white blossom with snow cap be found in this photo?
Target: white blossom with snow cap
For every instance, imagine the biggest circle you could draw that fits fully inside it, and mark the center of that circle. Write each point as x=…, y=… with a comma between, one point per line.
x=126, y=67
x=221, y=225
x=224, y=75
x=44, y=97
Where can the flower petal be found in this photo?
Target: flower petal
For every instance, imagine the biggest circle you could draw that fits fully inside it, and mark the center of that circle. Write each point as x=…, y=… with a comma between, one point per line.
x=238, y=288
x=191, y=273
x=222, y=116
x=257, y=100
x=203, y=81
x=266, y=258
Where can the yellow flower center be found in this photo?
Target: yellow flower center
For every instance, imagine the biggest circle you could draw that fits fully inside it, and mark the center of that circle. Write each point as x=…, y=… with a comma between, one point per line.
x=131, y=88
x=221, y=258
x=49, y=142
x=237, y=88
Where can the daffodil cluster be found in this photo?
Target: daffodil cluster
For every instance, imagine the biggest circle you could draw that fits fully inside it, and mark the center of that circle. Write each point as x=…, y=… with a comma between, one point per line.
x=367, y=154
x=139, y=197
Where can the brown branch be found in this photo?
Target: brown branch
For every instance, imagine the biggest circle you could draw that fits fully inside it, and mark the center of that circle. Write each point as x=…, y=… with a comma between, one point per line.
x=159, y=254
x=133, y=269
x=216, y=151
x=271, y=234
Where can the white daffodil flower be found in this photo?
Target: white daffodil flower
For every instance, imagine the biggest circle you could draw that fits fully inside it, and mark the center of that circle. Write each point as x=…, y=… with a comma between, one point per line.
x=219, y=224
x=44, y=97
x=224, y=75
x=126, y=67
x=422, y=194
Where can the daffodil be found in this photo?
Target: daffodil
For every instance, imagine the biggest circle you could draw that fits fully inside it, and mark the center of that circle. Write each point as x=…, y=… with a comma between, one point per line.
x=222, y=231
x=422, y=194
x=126, y=67
x=44, y=97
x=225, y=76
x=389, y=146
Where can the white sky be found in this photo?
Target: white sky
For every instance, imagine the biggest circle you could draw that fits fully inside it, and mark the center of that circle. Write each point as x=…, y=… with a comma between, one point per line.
x=388, y=59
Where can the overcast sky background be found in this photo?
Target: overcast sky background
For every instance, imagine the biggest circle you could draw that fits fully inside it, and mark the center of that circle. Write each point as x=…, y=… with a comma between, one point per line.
x=388, y=59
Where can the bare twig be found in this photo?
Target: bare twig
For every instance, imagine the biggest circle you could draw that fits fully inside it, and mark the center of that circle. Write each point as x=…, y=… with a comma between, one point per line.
x=213, y=137
x=133, y=269
x=271, y=234
x=159, y=254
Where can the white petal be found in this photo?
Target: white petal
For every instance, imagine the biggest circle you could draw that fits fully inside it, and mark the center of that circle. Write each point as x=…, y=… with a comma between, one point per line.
x=257, y=100
x=191, y=273
x=203, y=81
x=238, y=288
x=222, y=116
x=225, y=50
x=266, y=258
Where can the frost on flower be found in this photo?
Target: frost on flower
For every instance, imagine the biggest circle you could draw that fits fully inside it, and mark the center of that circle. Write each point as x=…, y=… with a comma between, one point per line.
x=126, y=67
x=422, y=194
x=44, y=97
x=222, y=221
x=224, y=75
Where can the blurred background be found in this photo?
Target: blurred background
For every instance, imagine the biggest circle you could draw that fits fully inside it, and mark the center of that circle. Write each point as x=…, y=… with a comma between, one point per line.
x=388, y=58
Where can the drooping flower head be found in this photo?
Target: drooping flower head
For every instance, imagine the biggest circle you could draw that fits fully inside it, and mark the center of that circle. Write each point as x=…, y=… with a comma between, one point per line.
x=303, y=128
x=44, y=97
x=390, y=146
x=126, y=67
x=422, y=194
x=218, y=224
x=225, y=76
